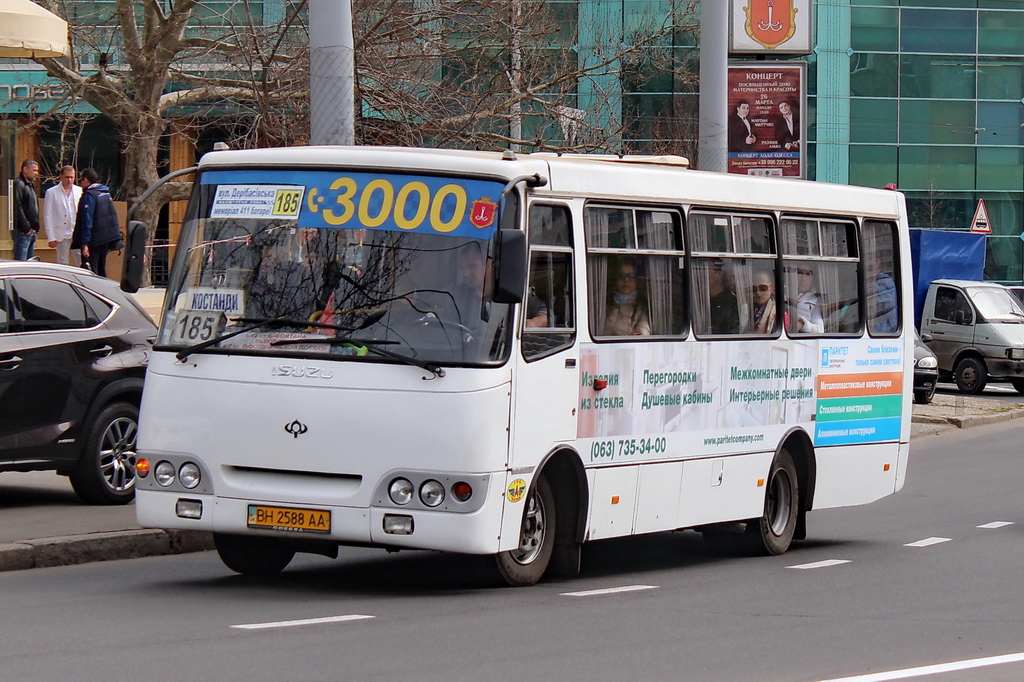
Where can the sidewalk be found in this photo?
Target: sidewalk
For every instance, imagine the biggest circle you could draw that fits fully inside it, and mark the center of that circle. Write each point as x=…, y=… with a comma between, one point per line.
x=948, y=411
x=152, y=299
x=45, y=524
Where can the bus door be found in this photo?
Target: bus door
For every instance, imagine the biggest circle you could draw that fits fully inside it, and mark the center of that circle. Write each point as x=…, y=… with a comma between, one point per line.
x=544, y=391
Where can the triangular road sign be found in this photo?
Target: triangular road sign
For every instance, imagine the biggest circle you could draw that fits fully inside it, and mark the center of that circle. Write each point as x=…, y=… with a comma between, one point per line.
x=980, y=222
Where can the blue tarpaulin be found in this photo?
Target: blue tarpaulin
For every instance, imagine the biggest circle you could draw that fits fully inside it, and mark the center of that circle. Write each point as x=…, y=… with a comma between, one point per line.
x=943, y=254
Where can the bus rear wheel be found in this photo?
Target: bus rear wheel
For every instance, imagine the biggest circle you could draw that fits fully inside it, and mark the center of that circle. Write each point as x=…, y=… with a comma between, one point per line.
x=250, y=555
x=526, y=564
x=773, y=532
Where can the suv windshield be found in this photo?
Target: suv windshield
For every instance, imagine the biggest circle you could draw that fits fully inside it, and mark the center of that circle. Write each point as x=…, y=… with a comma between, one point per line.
x=366, y=266
x=997, y=305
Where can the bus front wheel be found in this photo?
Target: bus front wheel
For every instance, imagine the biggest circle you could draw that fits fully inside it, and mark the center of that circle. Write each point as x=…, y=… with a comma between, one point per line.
x=250, y=555
x=526, y=564
x=773, y=532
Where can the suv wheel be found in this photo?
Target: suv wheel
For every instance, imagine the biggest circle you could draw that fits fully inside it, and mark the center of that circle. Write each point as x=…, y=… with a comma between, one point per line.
x=105, y=473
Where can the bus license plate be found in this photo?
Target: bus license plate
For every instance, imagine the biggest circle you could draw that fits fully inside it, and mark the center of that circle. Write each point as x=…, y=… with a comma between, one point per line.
x=287, y=518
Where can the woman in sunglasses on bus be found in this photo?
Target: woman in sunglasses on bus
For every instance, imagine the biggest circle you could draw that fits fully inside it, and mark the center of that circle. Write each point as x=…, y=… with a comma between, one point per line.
x=763, y=313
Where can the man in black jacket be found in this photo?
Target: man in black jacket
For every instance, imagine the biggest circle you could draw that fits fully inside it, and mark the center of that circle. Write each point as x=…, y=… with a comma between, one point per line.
x=26, y=211
x=97, y=226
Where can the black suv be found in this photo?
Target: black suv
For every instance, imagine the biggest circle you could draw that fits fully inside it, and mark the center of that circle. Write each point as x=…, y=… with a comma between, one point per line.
x=73, y=355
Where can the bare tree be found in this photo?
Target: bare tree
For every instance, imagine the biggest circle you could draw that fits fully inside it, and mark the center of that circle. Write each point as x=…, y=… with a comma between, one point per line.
x=495, y=74
x=447, y=73
x=147, y=60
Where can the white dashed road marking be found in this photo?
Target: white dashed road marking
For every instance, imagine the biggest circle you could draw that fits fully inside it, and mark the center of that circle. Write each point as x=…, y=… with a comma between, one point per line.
x=933, y=669
x=304, y=621
x=610, y=590
x=927, y=542
x=996, y=524
x=821, y=564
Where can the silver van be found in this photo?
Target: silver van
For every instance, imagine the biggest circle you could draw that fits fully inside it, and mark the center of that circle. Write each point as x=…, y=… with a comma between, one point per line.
x=977, y=331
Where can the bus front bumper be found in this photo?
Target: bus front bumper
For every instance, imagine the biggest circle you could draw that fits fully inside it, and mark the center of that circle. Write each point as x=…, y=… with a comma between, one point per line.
x=470, y=533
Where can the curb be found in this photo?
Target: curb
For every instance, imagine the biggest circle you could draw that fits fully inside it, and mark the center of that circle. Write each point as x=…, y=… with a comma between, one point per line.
x=69, y=550
x=973, y=420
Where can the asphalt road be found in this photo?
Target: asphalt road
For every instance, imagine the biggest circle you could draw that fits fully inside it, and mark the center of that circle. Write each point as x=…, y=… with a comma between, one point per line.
x=930, y=576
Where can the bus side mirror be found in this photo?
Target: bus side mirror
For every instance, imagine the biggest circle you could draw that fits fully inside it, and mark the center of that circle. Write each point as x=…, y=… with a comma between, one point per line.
x=511, y=284
x=134, y=257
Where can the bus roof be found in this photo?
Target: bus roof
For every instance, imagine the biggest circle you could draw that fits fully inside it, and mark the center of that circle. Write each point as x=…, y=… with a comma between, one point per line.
x=656, y=179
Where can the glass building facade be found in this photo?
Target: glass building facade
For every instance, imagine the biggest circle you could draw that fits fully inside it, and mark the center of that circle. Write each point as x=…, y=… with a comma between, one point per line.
x=936, y=106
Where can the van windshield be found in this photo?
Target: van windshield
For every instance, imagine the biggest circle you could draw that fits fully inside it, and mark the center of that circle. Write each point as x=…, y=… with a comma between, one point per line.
x=256, y=273
x=997, y=305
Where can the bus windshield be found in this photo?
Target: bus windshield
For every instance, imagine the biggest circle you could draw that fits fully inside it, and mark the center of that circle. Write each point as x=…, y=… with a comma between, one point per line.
x=263, y=268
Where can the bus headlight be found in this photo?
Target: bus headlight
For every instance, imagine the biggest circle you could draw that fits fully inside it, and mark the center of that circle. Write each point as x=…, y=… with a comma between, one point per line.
x=164, y=473
x=189, y=475
x=400, y=491
x=431, y=493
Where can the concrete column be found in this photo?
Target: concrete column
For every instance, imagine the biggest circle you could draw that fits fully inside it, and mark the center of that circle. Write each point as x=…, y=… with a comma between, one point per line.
x=832, y=149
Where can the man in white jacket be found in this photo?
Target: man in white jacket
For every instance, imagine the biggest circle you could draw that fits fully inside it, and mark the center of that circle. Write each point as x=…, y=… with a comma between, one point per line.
x=60, y=207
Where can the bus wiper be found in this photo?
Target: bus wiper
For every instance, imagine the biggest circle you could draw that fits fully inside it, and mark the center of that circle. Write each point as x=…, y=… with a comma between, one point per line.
x=282, y=321
x=370, y=345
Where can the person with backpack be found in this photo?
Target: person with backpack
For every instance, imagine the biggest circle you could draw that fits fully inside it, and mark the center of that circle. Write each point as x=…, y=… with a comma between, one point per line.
x=97, y=226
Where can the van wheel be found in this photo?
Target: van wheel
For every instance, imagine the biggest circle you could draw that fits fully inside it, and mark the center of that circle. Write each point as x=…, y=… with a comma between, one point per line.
x=971, y=376
x=250, y=555
x=105, y=473
x=1018, y=385
x=773, y=532
x=526, y=564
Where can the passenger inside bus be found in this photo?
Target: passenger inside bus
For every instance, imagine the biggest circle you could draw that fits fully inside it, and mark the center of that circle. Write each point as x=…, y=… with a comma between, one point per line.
x=763, y=294
x=627, y=305
x=725, y=316
x=882, y=302
x=473, y=293
x=806, y=317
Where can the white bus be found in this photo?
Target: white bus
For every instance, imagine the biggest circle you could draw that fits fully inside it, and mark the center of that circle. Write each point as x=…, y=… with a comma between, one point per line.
x=513, y=354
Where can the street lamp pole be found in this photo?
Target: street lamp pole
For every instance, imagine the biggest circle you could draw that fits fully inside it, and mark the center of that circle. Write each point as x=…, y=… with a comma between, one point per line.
x=331, y=72
x=714, y=99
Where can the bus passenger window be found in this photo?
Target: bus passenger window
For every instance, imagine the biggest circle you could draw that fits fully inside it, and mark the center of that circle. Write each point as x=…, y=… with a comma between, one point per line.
x=634, y=293
x=821, y=276
x=610, y=227
x=882, y=296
